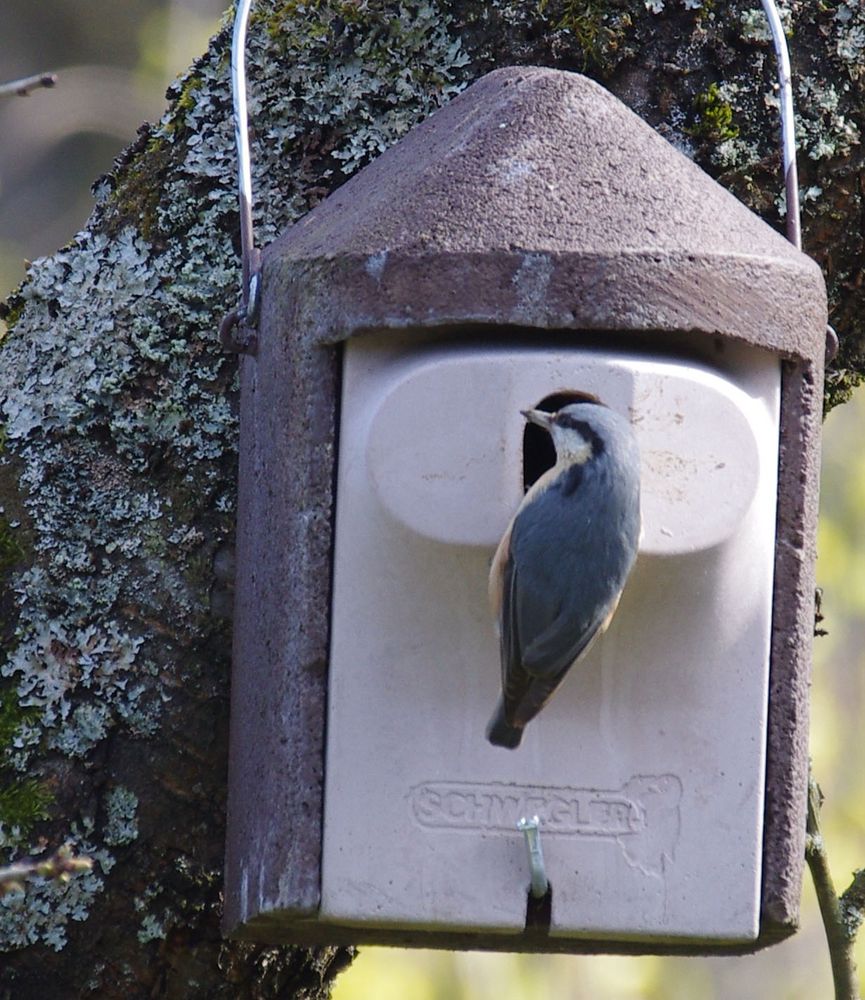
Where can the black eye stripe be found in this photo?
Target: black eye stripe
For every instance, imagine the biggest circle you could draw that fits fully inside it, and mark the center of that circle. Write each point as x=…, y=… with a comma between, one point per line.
x=583, y=428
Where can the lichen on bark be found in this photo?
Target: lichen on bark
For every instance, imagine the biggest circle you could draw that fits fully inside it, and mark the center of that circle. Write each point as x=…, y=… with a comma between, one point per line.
x=119, y=417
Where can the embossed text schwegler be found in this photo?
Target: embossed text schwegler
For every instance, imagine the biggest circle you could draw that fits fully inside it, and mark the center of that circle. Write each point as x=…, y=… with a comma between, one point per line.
x=642, y=815
x=586, y=811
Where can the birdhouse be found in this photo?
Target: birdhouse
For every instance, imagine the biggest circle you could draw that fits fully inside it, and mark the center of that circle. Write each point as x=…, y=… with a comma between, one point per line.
x=532, y=241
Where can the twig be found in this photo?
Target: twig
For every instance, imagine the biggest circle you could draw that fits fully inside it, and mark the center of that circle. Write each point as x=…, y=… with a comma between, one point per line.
x=23, y=87
x=62, y=865
x=840, y=931
x=853, y=903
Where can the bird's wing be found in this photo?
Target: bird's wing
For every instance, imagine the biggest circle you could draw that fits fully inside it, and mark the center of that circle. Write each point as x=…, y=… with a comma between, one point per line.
x=509, y=637
x=541, y=678
x=571, y=583
x=564, y=641
x=513, y=675
x=541, y=668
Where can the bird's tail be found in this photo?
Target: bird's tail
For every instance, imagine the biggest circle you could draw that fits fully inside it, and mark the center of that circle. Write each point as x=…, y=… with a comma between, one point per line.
x=500, y=732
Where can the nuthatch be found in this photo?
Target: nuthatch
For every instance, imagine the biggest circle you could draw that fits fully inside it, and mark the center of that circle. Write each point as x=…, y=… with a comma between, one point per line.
x=559, y=570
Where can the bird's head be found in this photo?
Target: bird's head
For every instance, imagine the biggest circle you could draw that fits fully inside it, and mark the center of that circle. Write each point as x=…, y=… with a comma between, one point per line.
x=578, y=430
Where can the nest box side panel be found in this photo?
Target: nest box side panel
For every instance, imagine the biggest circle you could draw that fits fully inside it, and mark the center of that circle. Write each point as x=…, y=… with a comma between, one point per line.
x=790, y=671
x=288, y=403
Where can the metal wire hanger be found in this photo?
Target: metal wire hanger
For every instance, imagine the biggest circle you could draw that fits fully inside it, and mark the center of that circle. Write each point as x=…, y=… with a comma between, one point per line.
x=237, y=332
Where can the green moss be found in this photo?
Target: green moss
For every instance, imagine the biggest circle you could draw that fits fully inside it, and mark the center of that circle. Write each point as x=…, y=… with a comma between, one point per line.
x=715, y=116
x=839, y=387
x=598, y=30
x=316, y=20
x=317, y=14
x=11, y=550
x=12, y=717
x=187, y=99
x=137, y=200
x=23, y=803
x=14, y=538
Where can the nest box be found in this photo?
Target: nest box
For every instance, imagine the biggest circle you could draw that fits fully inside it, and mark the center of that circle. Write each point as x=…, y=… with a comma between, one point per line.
x=532, y=239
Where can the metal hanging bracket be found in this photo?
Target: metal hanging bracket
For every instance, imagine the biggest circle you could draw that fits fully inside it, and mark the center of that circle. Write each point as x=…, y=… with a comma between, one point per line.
x=237, y=332
x=788, y=145
x=788, y=123
x=530, y=828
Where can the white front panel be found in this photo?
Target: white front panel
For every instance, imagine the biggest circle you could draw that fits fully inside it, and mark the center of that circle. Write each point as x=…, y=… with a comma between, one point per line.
x=646, y=769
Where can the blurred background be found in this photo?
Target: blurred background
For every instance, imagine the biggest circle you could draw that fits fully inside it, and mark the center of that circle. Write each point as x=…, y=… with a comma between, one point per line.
x=114, y=61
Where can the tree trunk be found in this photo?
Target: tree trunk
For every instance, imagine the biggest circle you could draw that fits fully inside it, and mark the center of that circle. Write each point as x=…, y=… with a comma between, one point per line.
x=119, y=446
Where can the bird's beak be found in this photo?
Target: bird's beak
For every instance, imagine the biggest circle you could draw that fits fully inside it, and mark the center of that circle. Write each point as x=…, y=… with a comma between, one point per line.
x=539, y=417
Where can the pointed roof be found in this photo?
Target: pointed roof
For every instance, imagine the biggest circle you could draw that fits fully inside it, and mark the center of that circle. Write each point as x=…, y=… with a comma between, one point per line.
x=536, y=198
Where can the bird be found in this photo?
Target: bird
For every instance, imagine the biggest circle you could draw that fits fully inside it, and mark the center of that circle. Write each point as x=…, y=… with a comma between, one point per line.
x=560, y=568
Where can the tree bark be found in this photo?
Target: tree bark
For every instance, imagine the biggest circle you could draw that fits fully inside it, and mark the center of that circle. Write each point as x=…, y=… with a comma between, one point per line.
x=119, y=445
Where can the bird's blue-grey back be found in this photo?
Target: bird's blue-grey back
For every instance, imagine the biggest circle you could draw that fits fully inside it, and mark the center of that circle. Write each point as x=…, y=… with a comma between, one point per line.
x=578, y=540
x=571, y=550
